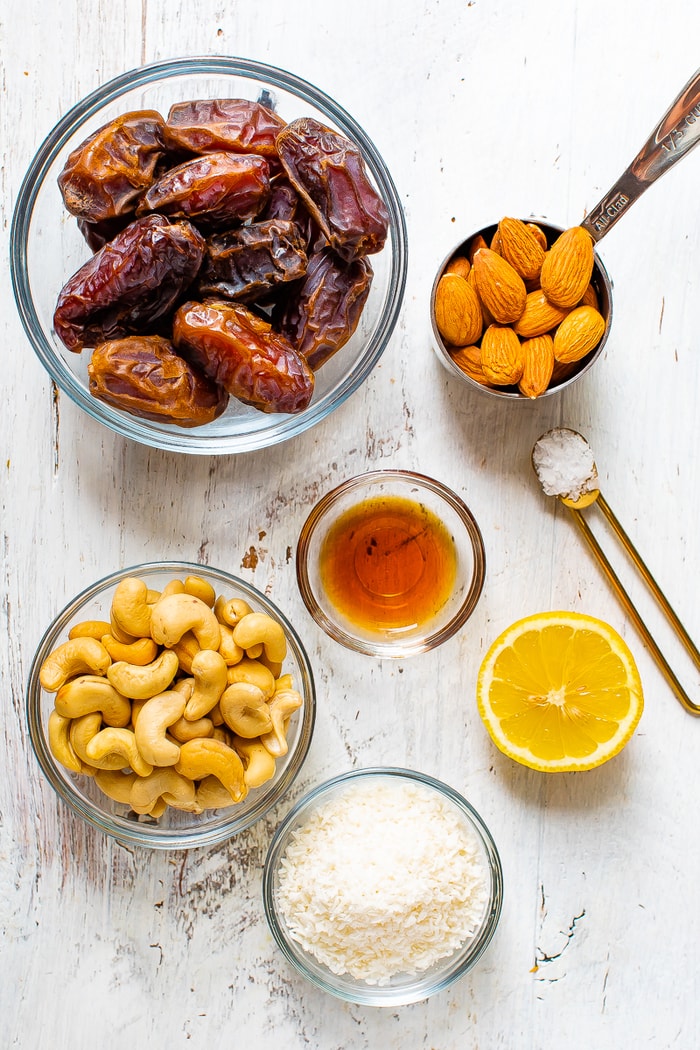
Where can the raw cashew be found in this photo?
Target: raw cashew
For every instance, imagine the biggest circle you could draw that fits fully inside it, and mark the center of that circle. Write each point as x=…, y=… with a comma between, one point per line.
x=216, y=716
x=281, y=707
x=209, y=671
x=185, y=729
x=136, y=706
x=200, y=589
x=89, y=693
x=245, y=710
x=82, y=731
x=89, y=629
x=186, y=650
x=224, y=734
x=184, y=686
x=75, y=657
x=231, y=610
x=258, y=628
x=140, y=683
x=121, y=636
x=211, y=794
x=59, y=742
x=173, y=587
x=141, y=652
x=258, y=763
x=130, y=609
x=199, y=758
x=116, y=784
x=117, y=743
x=255, y=673
x=177, y=613
x=154, y=718
x=163, y=785
x=231, y=652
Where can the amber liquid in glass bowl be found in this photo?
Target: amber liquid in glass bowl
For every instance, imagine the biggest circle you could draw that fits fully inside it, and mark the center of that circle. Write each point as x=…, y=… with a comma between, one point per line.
x=388, y=562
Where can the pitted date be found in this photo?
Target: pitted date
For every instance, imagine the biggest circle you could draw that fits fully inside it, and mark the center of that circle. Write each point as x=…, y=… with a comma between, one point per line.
x=105, y=176
x=216, y=189
x=285, y=203
x=329, y=173
x=323, y=312
x=241, y=352
x=130, y=284
x=97, y=234
x=236, y=124
x=246, y=263
x=144, y=376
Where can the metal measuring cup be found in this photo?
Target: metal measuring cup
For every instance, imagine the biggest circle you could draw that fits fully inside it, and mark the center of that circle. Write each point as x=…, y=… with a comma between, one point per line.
x=676, y=134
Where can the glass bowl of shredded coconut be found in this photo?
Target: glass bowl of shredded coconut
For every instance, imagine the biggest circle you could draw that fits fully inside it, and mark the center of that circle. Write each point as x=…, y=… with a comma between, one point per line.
x=383, y=886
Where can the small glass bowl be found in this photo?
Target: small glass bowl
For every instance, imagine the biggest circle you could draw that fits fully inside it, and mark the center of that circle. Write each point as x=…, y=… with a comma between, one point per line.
x=175, y=829
x=47, y=248
x=459, y=530
x=401, y=988
x=600, y=281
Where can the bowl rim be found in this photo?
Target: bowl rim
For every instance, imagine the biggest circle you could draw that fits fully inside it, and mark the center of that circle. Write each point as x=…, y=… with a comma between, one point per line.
x=343, y=986
x=175, y=438
x=405, y=647
x=506, y=393
x=142, y=834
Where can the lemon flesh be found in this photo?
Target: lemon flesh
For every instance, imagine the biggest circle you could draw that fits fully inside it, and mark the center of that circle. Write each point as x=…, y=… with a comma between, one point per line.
x=560, y=691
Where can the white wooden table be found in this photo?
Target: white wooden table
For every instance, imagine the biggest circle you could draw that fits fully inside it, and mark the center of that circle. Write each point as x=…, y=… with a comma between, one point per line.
x=481, y=109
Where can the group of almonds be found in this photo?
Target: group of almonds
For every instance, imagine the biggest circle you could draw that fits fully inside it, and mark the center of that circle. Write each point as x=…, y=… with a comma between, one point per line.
x=516, y=312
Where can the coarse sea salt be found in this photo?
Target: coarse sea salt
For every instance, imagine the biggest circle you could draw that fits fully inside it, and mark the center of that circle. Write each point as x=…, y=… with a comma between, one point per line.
x=385, y=878
x=563, y=461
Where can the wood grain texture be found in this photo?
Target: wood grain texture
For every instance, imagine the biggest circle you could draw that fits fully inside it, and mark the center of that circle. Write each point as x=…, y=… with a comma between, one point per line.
x=481, y=109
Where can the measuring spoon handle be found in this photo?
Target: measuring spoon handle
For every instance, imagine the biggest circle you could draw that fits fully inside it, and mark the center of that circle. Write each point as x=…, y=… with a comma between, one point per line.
x=675, y=135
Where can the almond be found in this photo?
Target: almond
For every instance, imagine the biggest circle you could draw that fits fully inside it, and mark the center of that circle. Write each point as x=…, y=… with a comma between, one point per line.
x=567, y=267
x=501, y=355
x=538, y=365
x=521, y=248
x=468, y=359
x=590, y=298
x=579, y=332
x=539, y=316
x=500, y=288
x=457, y=311
x=562, y=372
x=539, y=234
x=495, y=244
x=486, y=316
x=477, y=243
x=459, y=264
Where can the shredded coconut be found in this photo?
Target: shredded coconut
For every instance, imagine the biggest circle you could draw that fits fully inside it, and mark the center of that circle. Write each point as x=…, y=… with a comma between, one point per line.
x=385, y=878
x=563, y=461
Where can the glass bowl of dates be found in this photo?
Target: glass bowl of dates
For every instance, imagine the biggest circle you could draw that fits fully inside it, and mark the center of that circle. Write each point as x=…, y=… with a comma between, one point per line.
x=521, y=309
x=208, y=255
x=171, y=705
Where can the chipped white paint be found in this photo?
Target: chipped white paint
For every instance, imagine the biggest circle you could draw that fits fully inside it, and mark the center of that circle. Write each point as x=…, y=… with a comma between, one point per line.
x=481, y=108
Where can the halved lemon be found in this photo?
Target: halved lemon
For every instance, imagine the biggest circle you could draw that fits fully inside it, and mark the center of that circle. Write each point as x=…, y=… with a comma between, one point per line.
x=560, y=691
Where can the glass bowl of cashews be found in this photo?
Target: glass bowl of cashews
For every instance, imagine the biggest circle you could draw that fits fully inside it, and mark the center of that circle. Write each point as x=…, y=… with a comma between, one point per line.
x=171, y=705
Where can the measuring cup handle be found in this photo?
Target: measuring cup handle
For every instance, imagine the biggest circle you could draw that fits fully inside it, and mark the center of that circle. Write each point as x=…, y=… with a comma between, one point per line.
x=675, y=135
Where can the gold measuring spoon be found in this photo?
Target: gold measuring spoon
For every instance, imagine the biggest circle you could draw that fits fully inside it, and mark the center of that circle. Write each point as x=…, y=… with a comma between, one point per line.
x=564, y=464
